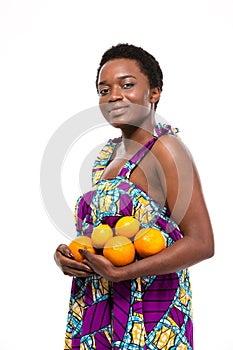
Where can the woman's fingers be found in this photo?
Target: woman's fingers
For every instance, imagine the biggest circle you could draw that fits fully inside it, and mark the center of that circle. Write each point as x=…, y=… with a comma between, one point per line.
x=78, y=273
x=64, y=250
x=69, y=265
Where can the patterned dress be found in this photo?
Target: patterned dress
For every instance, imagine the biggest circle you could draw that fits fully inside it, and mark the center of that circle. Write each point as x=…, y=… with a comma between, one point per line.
x=150, y=312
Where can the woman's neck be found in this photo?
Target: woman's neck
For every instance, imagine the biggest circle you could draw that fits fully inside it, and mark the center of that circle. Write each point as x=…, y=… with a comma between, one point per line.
x=134, y=137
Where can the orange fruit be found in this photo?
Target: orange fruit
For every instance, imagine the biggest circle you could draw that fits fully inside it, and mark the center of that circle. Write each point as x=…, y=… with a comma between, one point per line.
x=149, y=241
x=100, y=235
x=119, y=250
x=81, y=242
x=127, y=226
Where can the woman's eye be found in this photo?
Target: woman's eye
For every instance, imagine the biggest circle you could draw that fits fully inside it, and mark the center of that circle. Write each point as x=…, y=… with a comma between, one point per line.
x=128, y=85
x=103, y=92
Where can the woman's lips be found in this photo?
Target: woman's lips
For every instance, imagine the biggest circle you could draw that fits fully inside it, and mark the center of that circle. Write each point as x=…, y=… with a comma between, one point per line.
x=117, y=110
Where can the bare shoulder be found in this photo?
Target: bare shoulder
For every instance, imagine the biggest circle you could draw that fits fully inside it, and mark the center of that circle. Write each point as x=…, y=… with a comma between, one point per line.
x=170, y=149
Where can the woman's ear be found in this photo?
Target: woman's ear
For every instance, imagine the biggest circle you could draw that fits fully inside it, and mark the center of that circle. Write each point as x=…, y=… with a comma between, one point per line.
x=155, y=95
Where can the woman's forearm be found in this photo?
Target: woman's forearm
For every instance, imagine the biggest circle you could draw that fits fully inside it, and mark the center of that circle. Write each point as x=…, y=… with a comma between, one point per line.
x=182, y=254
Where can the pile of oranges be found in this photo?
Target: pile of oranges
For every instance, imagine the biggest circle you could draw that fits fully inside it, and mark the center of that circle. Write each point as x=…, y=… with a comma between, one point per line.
x=119, y=245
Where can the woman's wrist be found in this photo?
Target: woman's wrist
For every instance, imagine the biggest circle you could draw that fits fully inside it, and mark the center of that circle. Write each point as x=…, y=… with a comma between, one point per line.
x=123, y=273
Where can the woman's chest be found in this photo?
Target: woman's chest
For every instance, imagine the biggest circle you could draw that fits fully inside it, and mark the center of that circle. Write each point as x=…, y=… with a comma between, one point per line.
x=144, y=175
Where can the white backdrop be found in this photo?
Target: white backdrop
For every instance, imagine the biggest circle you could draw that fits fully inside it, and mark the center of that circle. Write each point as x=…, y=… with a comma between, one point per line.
x=50, y=51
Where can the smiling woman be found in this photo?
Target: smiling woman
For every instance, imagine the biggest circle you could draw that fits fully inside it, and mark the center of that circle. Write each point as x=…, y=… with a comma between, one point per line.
x=126, y=98
x=149, y=175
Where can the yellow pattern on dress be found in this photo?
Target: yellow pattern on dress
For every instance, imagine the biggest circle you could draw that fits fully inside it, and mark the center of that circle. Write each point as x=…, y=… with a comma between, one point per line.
x=164, y=337
x=68, y=341
x=78, y=308
x=138, y=331
x=103, y=289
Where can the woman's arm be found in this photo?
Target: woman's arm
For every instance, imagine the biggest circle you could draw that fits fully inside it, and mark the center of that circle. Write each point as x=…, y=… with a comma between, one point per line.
x=180, y=181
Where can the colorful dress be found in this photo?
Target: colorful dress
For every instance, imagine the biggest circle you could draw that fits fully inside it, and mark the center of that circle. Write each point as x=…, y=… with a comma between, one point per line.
x=150, y=312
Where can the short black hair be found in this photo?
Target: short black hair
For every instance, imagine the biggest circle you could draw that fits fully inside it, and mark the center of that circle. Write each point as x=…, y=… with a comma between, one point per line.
x=147, y=63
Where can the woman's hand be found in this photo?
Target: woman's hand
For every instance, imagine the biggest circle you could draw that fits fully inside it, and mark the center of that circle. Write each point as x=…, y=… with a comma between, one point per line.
x=101, y=266
x=65, y=260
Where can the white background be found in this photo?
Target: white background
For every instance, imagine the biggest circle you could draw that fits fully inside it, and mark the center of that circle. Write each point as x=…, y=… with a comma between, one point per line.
x=50, y=51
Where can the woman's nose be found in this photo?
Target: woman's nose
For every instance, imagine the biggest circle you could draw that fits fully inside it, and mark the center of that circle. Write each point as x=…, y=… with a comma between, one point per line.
x=116, y=94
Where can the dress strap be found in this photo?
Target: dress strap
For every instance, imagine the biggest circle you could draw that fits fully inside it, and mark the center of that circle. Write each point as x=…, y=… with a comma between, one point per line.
x=136, y=158
x=103, y=159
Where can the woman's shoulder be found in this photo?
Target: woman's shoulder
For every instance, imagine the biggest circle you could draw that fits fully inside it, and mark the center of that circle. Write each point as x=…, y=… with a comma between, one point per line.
x=169, y=145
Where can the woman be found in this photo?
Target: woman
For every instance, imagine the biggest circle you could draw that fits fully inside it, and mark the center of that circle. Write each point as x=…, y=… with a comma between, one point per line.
x=146, y=304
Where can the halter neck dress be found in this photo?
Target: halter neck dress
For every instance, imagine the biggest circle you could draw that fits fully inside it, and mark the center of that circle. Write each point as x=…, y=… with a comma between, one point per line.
x=150, y=312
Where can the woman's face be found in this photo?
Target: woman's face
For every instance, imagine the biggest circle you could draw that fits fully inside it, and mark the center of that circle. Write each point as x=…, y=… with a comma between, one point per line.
x=125, y=96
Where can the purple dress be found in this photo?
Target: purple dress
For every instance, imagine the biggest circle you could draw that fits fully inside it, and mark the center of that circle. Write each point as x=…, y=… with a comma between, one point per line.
x=150, y=312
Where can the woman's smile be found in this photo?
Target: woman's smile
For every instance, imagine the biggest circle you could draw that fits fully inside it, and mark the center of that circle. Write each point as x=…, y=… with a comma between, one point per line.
x=117, y=109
